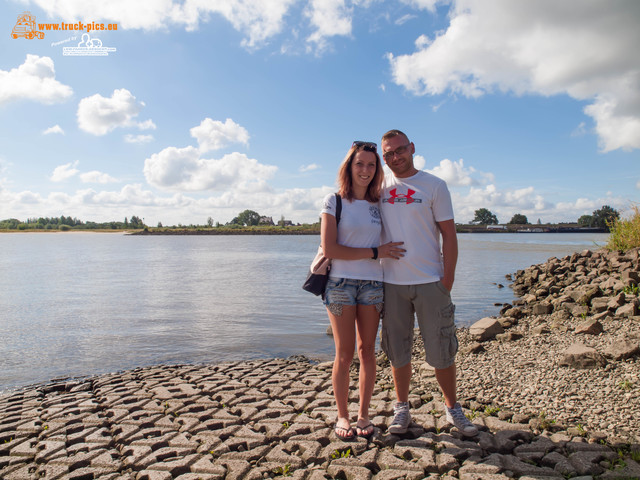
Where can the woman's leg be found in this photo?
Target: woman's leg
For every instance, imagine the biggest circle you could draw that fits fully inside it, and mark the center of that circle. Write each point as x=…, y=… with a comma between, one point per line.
x=367, y=321
x=344, y=337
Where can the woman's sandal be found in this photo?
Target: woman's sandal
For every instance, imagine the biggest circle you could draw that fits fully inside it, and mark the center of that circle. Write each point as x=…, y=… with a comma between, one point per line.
x=361, y=431
x=350, y=435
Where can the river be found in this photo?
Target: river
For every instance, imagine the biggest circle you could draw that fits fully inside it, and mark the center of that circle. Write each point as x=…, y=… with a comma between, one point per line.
x=78, y=304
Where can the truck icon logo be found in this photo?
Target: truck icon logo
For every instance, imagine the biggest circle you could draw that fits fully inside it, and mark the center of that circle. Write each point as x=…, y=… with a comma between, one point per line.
x=26, y=27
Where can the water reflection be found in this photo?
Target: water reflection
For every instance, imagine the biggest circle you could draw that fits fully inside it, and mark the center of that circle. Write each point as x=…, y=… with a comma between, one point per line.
x=81, y=304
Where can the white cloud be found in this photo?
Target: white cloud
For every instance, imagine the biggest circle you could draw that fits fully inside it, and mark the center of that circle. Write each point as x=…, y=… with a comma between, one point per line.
x=95, y=176
x=580, y=130
x=99, y=115
x=129, y=138
x=309, y=168
x=419, y=162
x=584, y=49
x=504, y=203
x=63, y=172
x=436, y=106
x=182, y=169
x=456, y=174
x=68, y=170
x=258, y=20
x=146, y=125
x=54, y=129
x=214, y=135
x=33, y=80
x=404, y=19
x=329, y=18
x=28, y=198
x=299, y=205
x=423, y=4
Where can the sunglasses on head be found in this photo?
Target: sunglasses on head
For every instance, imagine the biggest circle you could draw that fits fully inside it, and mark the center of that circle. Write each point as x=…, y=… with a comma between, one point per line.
x=366, y=146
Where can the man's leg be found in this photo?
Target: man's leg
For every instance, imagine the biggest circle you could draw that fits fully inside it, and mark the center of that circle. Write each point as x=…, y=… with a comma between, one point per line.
x=402, y=381
x=397, y=341
x=446, y=378
x=436, y=320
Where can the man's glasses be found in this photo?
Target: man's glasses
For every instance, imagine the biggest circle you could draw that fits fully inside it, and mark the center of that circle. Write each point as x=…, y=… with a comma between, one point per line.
x=398, y=151
x=366, y=146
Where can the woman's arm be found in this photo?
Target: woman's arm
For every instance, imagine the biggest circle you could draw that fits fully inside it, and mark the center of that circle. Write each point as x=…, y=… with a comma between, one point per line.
x=332, y=249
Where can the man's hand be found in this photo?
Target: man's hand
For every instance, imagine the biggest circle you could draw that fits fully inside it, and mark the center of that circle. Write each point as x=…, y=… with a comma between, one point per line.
x=447, y=283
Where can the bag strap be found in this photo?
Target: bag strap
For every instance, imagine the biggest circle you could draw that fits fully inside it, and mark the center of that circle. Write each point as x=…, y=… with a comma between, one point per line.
x=338, y=207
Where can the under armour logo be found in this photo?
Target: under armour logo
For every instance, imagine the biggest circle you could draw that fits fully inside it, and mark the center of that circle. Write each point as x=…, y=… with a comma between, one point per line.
x=401, y=198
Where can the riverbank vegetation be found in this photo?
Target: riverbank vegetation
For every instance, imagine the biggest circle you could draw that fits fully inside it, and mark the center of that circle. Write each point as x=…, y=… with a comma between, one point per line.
x=625, y=234
x=250, y=222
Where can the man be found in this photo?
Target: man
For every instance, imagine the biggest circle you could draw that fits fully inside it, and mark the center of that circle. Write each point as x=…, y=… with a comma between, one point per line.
x=416, y=209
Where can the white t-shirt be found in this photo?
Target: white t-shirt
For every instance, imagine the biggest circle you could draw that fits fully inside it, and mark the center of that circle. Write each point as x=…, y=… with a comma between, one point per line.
x=359, y=226
x=410, y=208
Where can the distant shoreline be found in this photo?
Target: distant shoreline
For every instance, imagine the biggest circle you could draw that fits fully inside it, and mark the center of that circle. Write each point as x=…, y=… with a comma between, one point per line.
x=214, y=231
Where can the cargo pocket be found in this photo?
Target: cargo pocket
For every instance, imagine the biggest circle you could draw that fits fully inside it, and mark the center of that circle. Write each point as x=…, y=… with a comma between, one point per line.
x=448, y=338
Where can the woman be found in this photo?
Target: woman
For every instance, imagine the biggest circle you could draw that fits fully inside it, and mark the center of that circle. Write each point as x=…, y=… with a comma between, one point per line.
x=354, y=295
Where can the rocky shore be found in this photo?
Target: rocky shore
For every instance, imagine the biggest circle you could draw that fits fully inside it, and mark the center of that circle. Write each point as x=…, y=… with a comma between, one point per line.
x=546, y=406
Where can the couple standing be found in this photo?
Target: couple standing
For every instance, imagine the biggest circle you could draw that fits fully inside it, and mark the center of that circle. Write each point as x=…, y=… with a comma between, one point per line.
x=408, y=210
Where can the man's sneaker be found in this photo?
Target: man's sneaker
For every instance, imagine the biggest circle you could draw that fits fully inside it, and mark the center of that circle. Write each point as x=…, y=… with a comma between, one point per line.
x=401, y=418
x=456, y=418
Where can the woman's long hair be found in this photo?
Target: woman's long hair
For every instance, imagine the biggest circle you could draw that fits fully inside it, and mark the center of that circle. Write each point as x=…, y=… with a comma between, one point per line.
x=345, y=179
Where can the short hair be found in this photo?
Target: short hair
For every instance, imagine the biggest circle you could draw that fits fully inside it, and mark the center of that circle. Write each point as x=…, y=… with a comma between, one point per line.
x=345, y=179
x=394, y=133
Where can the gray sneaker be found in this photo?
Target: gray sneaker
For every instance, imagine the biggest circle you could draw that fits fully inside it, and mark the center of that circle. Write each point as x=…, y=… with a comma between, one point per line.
x=456, y=417
x=401, y=418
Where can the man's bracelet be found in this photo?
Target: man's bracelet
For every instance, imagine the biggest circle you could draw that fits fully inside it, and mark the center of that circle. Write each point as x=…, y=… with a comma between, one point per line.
x=375, y=253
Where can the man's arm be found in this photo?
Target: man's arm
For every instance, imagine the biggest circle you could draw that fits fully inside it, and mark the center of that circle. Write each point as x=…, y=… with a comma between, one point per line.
x=449, y=252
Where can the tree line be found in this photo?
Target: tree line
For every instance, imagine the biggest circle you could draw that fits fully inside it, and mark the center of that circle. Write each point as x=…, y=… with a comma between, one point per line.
x=602, y=218
x=246, y=218
x=69, y=223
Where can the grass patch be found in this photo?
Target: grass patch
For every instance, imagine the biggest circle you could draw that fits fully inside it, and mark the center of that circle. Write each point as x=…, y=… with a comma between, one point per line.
x=285, y=471
x=342, y=454
x=491, y=410
x=625, y=234
x=626, y=385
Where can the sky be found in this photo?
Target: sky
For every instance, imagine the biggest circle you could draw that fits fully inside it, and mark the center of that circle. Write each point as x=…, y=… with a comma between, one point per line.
x=183, y=110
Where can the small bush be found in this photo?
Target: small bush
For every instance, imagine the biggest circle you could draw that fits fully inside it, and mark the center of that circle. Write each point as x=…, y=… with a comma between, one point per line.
x=64, y=228
x=625, y=234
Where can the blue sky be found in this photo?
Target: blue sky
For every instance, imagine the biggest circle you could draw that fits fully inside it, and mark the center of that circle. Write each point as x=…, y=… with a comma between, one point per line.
x=205, y=109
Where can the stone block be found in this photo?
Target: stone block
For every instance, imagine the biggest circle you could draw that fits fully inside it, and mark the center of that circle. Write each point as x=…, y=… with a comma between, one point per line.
x=590, y=327
x=485, y=329
x=542, y=308
x=580, y=356
x=349, y=473
x=627, y=310
x=622, y=348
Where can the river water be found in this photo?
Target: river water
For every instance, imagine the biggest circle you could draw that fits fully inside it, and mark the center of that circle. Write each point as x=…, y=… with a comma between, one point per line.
x=77, y=304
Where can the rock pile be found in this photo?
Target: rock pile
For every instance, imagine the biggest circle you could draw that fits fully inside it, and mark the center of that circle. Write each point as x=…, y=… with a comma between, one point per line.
x=568, y=349
x=590, y=284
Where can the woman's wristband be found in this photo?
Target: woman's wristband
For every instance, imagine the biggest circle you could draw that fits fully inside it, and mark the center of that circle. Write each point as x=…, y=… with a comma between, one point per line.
x=375, y=253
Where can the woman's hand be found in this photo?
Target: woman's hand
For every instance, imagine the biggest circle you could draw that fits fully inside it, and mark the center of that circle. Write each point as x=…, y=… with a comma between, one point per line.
x=391, y=250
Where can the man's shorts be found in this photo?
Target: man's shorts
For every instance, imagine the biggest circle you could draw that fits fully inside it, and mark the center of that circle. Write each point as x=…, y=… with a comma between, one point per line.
x=348, y=291
x=431, y=303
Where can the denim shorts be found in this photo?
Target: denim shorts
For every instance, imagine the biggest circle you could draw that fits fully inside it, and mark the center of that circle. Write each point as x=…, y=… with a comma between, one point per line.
x=348, y=291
